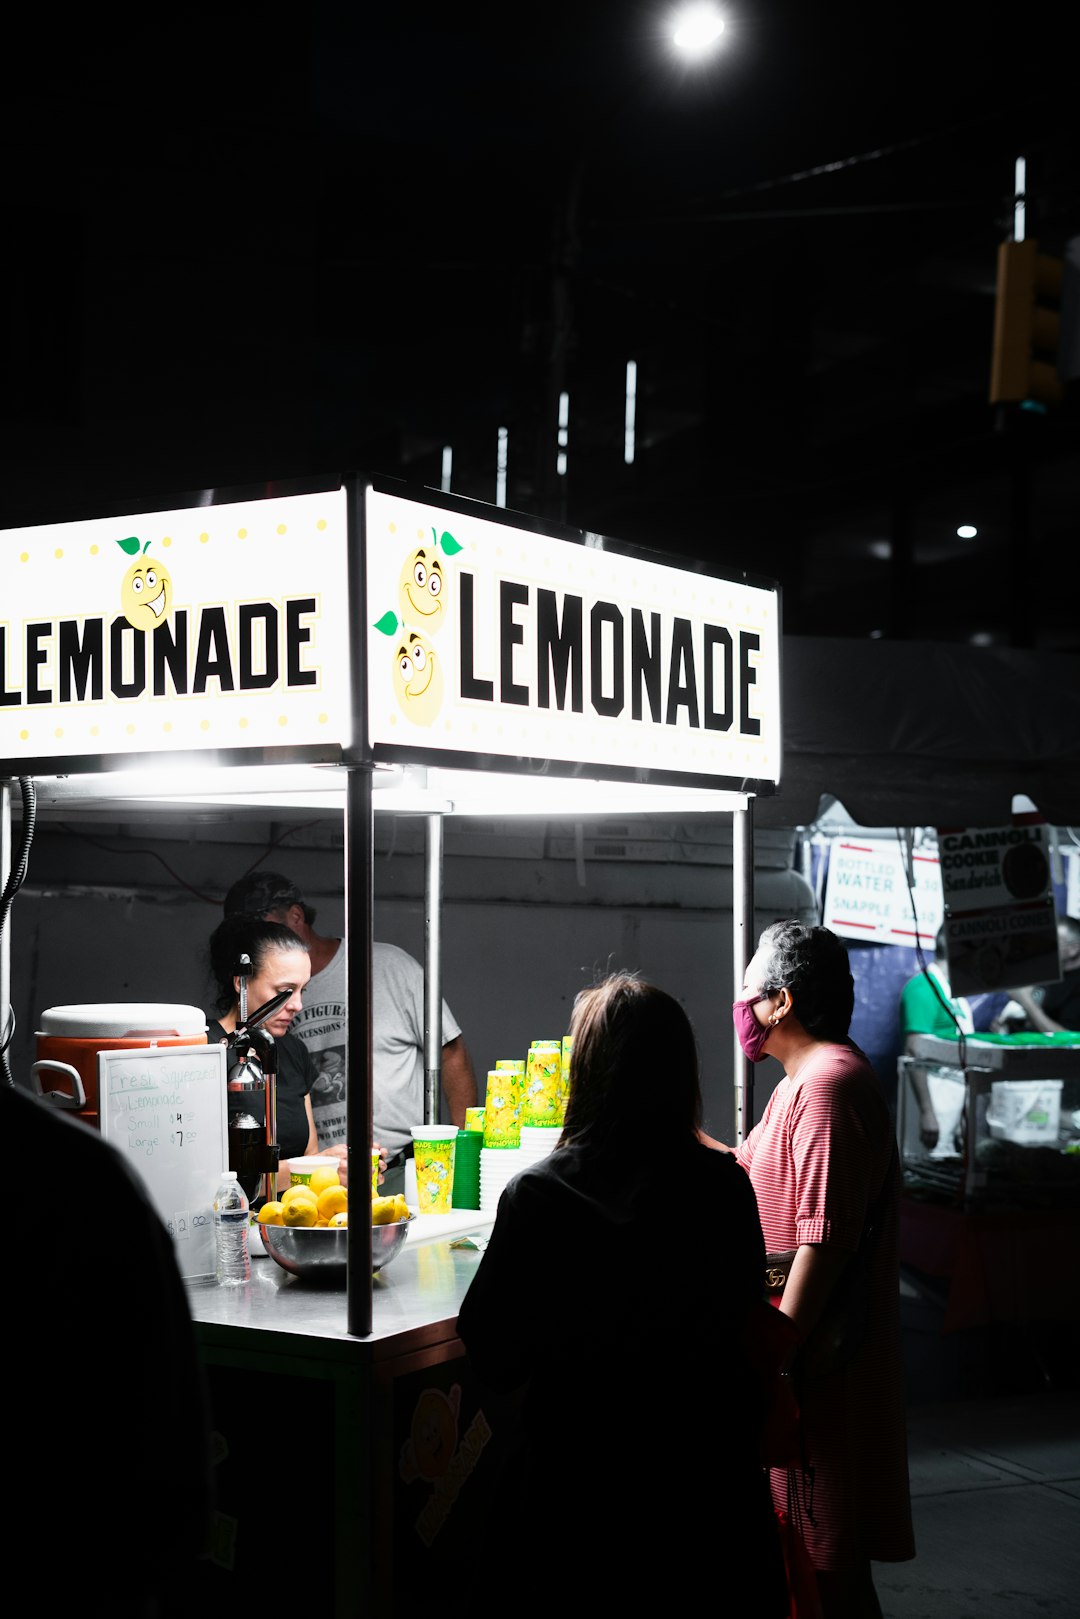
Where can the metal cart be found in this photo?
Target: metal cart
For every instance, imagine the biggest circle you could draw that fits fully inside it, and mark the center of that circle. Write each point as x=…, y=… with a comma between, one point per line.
x=1009, y=1119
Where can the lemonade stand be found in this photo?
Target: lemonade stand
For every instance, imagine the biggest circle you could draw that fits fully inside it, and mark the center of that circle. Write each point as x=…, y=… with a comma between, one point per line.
x=379, y=650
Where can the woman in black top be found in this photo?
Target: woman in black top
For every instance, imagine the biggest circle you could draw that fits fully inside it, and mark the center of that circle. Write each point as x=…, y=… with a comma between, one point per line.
x=279, y=960
x=612, y=1296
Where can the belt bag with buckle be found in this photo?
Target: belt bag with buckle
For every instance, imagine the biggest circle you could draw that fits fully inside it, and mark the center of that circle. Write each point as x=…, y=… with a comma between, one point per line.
x=777, y=1270
x=841, y=1327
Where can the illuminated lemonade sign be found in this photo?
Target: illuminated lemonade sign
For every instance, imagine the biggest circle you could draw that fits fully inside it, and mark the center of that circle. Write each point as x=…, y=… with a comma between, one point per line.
x=485, y=638
x=214, y=627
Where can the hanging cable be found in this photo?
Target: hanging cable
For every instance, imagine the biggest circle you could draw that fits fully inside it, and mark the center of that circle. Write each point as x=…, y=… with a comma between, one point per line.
x=16, y=878
x=909, y=879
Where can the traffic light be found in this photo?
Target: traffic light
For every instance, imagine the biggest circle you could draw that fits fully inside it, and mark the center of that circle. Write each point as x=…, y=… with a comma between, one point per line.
x=1027, y=326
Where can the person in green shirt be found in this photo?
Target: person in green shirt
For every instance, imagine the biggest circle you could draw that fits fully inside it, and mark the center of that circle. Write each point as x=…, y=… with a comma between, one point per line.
x=928, y=1006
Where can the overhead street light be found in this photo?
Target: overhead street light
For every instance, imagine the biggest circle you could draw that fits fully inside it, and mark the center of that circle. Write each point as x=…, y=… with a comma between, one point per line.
x=696, y=29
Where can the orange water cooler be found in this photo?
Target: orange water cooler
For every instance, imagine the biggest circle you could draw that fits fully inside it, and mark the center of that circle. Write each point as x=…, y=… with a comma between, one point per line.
x=70, y=1038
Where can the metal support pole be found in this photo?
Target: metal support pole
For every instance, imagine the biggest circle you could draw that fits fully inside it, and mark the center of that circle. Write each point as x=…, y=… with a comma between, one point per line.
x=6, y=1013
x=359, y=849
x=359, y=1091
x=743, y=945
x=433, y=970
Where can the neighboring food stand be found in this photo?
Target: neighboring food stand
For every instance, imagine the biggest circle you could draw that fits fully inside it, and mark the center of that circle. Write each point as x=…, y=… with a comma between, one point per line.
x=887, y=740
x=1008, y=1109
x=361, y=644
x=993, y=1205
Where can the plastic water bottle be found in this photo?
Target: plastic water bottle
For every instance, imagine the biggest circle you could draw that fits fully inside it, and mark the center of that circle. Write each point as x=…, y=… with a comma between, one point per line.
x=231, y=1216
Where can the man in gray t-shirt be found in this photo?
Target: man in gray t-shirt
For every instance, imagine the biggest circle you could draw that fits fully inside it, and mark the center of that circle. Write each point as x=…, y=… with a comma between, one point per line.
x=397, y=1020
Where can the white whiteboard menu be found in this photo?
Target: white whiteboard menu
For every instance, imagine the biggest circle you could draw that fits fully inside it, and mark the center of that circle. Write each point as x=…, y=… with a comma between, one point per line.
x=164, y=1108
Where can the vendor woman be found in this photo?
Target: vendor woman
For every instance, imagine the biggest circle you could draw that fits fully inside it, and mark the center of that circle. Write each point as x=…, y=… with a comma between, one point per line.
x=279, y=961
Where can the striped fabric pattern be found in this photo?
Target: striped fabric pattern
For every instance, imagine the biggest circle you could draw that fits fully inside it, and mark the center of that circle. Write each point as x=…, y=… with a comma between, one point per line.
x=816, y=1162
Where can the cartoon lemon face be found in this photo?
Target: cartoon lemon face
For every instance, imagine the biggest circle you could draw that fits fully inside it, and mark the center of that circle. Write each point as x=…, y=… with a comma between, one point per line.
x=418, y=681
x=434, y=1434
x=146, y=594
x=422, y=590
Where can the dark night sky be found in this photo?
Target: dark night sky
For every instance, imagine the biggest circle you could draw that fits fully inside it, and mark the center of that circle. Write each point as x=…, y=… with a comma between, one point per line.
x=256, y=243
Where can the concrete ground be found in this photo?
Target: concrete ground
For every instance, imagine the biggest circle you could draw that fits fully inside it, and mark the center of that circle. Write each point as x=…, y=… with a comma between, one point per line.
x=994, y=1458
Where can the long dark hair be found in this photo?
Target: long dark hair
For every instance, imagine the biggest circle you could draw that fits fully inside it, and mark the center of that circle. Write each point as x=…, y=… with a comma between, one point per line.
x=239, y=935
x=634, y=1060
x=811, y=963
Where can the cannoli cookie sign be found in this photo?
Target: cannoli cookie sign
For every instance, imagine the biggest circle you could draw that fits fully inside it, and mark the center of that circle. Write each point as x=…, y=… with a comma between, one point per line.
x=1000, y=927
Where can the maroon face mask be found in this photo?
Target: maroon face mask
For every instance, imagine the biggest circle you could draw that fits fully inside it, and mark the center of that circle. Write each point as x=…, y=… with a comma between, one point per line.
x=752, y=1034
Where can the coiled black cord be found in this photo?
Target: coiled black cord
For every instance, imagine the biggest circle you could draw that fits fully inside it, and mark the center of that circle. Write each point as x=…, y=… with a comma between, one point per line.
x=16, y=878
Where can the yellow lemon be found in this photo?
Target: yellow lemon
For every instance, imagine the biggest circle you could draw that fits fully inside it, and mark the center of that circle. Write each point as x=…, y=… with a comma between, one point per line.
x=301, y=1211
x=401, y=1208
x=382, y=1211
x=270, y=1214
x=341, y=1219
x=321, y=1222
x=322, y=1178
x=333, y=1200
x=293, y=1193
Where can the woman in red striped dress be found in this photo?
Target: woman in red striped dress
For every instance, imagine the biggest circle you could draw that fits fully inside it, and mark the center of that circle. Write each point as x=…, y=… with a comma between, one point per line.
x=820, y=1160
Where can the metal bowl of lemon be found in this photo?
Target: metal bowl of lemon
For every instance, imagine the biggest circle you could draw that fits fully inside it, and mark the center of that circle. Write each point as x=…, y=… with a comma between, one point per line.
x=387, y=1241
x=319, y=1252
